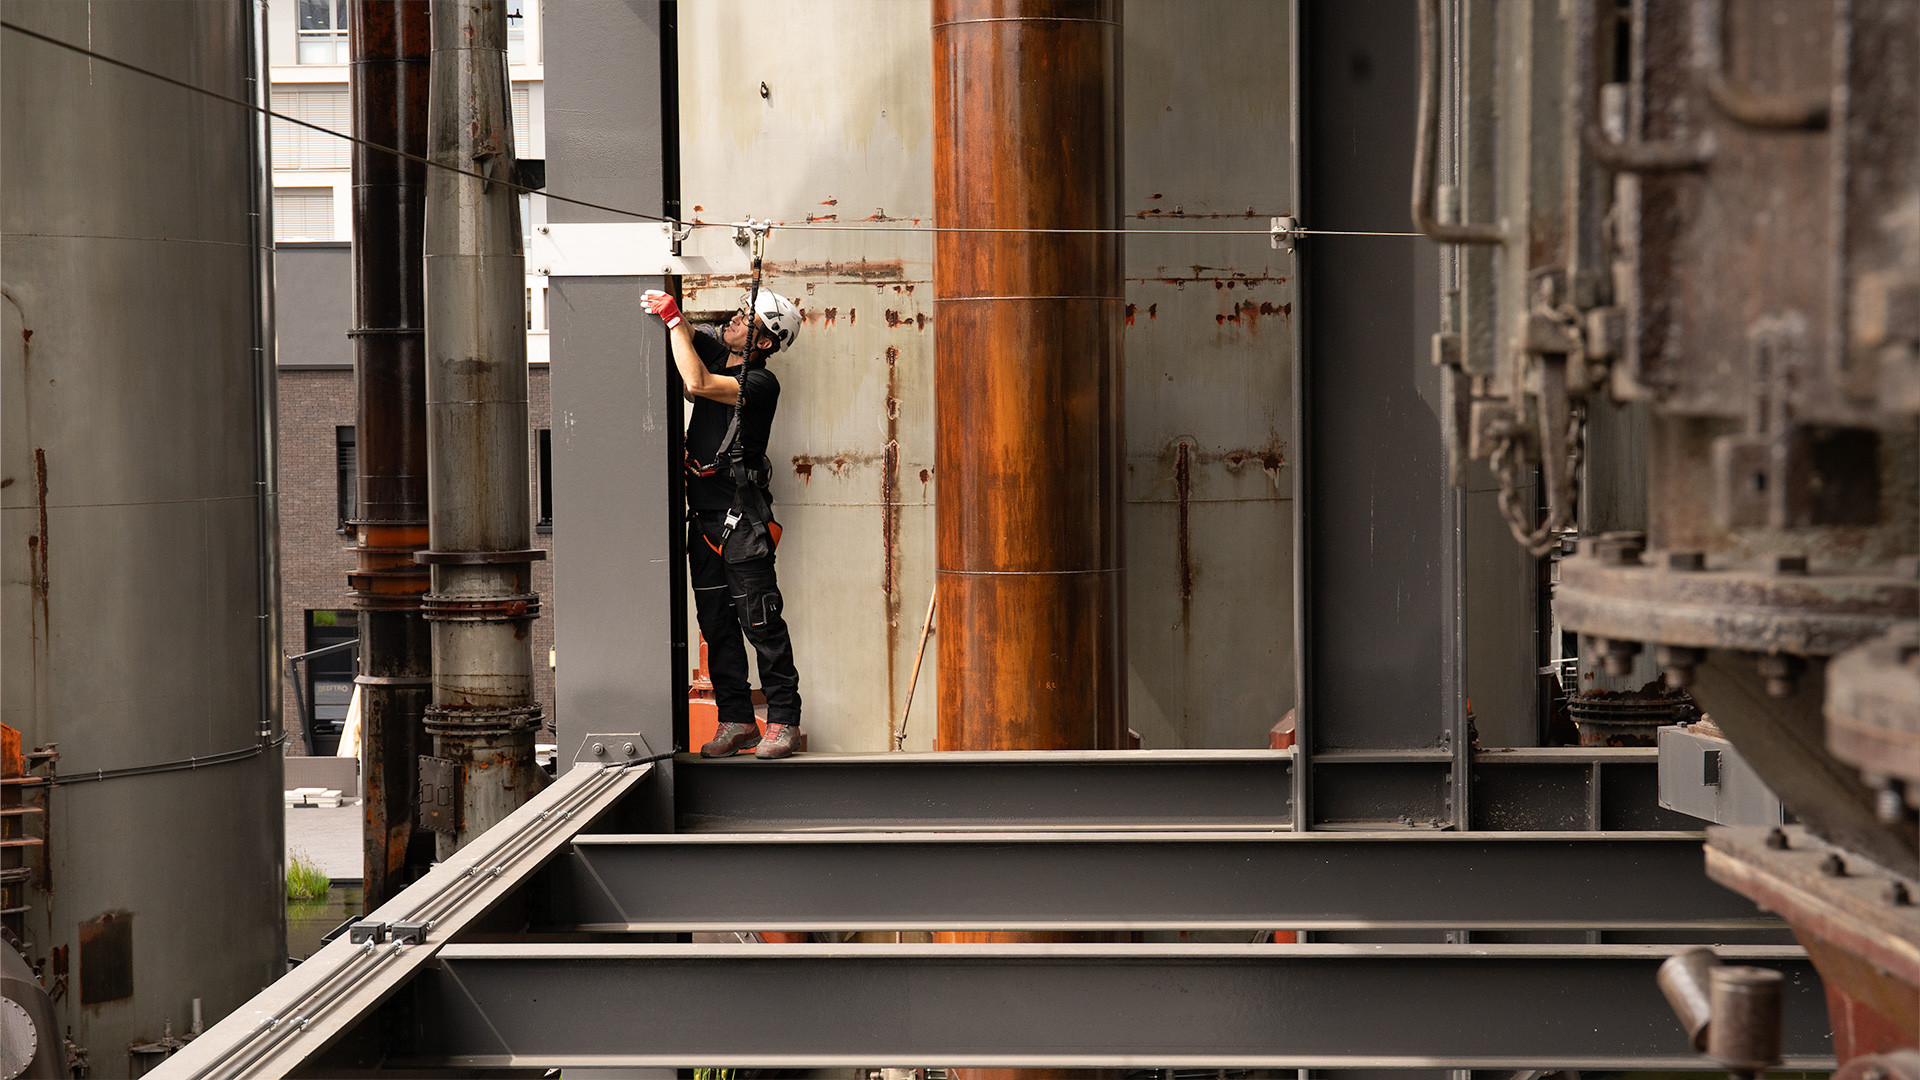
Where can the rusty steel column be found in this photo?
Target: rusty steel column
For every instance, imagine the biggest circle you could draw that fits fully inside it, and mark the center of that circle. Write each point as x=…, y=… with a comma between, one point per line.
x=1028, y=374
x=482, y=605
x=388, y=80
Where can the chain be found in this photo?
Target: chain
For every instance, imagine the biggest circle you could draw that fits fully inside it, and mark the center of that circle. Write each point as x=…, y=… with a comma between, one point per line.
x=1507, y=462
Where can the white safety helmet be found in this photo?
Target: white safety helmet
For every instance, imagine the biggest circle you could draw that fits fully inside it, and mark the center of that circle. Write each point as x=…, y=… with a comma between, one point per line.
x=779, y=315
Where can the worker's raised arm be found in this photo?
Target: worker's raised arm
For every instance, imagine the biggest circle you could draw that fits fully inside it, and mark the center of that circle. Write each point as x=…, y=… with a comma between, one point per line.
x=693, y=372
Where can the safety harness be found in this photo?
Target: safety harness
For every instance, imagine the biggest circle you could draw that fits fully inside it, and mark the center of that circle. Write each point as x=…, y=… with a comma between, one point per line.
x=749, y=491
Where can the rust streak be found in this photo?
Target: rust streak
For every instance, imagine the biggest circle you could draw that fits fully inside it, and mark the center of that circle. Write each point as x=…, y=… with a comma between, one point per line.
x=890, y=519
x=1130, y=310
x=1183, y=484
x=803, y=468
x=1153, y=312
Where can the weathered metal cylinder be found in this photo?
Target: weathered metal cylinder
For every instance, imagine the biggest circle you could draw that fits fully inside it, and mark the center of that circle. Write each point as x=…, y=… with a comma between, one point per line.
x=480, y=518
x=388, y=81
x=1744, y=1034
x=139, y=608
x=1028, y=373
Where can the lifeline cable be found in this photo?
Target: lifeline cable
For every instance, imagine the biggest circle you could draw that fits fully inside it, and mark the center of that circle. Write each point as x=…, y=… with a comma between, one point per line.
x=642, y=215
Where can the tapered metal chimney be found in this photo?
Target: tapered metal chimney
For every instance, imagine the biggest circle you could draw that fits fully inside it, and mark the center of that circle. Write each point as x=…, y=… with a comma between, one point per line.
x=482, y=605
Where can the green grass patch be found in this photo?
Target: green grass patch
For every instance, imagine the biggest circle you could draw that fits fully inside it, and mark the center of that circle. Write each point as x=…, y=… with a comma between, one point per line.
x=305, y=881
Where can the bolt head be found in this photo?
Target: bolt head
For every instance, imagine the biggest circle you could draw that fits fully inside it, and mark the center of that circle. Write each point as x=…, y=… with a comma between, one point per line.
x=1897, y=894
x=599, y=749
x=1777, y=838
x=627, y=749
x=1833, y=865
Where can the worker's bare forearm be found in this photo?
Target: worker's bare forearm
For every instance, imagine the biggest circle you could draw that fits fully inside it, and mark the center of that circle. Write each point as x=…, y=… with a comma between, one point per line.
x=699, y=382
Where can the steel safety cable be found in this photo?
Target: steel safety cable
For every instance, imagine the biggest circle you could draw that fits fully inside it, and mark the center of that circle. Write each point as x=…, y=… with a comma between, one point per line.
x=641, y=214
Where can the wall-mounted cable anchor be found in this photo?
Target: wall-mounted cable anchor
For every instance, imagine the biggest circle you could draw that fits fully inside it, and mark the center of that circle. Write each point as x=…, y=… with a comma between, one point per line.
x=1284, y=232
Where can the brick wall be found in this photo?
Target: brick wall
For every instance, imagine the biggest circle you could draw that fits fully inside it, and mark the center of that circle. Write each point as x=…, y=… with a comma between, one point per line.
x=313, y=555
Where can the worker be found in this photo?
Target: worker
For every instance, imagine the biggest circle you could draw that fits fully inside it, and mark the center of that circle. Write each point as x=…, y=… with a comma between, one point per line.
x=731, y=533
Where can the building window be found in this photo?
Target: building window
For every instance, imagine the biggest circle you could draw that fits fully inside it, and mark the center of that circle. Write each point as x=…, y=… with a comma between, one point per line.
x=323, y=31
x=346, y=457
x=296, y=147
x=545, y=524
x=303, y=213
x=516, y=32
x=522, y=121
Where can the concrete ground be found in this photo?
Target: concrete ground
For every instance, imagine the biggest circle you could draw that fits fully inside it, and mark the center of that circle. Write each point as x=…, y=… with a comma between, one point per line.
x=328, y=837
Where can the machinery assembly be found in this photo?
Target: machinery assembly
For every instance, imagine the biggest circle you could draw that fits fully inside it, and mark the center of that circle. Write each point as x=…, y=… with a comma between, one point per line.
x=1416, y=505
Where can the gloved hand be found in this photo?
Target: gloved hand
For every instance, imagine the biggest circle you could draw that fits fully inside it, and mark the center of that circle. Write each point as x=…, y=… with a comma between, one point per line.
x=662, y=305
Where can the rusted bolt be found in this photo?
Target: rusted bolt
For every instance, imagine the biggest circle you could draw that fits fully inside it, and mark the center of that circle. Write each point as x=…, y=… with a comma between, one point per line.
x=1896, y=893
x=1777, y=838
x=1677, y=663
x=1833, y=865
x=1782, y=673
x=1619, y=548
x=1790, y=564
x=1618, y=655
x=1686, y=560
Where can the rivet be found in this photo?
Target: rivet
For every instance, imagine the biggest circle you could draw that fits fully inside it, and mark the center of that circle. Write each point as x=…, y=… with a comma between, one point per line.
x=1777, y=838
x=1833, y=865
x=1896, y=894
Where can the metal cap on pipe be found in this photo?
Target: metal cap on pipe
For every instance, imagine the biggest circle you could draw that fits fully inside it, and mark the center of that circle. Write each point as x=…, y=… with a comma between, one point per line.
x=1686, y=980
x=1747, y=1013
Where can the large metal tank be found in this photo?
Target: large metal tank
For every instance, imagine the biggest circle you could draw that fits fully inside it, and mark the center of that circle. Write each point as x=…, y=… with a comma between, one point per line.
x=139, y=622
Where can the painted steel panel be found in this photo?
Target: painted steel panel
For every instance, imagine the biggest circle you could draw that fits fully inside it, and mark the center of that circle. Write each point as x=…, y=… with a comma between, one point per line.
x=131, y=516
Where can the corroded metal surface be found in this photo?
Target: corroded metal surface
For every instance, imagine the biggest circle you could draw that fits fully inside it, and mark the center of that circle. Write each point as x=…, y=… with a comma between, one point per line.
x=483, y=715
x=1027, y=354
x=1843, y=908
x=1873, y=714
x=391, y=43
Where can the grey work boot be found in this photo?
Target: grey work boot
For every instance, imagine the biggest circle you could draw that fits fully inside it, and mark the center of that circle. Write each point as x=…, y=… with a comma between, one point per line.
x=778, y=743
x=730, y=739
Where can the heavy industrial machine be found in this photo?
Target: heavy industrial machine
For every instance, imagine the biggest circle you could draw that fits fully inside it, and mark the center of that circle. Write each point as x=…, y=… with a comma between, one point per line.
x=1685, y=291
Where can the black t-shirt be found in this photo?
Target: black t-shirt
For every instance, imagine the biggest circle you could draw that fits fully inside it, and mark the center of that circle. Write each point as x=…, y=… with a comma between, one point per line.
x=760, y=397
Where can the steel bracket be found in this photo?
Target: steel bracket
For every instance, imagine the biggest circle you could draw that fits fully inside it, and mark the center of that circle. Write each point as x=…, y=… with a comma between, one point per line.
x=618, y=748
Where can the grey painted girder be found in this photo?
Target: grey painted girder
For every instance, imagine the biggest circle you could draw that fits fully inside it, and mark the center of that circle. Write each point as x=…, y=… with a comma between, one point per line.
x=1139, y=881
x=1063, y=790
x=1272, y=1006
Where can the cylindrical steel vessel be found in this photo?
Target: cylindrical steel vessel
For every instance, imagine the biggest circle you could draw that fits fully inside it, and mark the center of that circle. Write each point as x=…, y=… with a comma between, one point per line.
x=483, y=718
x=1028, y=373
x=388, y=80
x=139, y=598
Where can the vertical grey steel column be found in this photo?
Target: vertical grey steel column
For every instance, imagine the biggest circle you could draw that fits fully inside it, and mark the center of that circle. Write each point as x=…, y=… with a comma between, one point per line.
x=389, y=84
x=616, y=404
x=480, y=518
x=1372, y=479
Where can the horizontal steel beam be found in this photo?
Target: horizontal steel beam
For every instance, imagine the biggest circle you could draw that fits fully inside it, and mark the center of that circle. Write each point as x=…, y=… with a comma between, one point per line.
x=1140, y=881
x=1273, y=1006
x=1062, y=790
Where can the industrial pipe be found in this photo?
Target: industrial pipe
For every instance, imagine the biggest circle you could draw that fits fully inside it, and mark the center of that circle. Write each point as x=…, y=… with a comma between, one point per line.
x=480, y=519
x=1028, y=375
x=388, y=82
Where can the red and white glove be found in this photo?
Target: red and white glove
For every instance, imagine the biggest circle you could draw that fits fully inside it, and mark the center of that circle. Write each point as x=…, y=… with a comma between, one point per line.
x=662, y=305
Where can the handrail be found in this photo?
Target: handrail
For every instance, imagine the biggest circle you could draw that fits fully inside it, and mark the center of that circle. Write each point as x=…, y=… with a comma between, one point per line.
x=1425, y=161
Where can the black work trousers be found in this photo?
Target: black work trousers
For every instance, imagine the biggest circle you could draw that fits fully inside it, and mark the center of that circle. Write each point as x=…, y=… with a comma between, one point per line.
x=733, y=600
